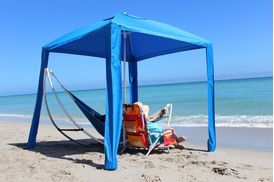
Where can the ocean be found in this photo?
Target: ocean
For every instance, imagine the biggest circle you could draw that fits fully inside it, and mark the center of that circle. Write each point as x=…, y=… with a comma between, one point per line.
x=238, y=103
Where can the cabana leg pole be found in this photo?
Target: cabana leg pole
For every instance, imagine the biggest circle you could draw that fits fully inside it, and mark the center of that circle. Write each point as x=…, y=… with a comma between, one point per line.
x=133, y=74
x=133, y=80
x=124, y=82
x=113, y=121
x=124, y=66
x=39, y=97
x=211, y=143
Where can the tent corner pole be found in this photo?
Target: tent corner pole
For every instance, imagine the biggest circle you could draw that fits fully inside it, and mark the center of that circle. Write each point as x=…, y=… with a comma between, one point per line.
x=124, y=82
x=37, y=110
x=211, y=143
x=124, y=65
x=113, y=122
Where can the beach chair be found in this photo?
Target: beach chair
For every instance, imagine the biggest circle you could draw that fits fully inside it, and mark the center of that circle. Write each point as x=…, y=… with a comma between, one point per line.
x=135, y=125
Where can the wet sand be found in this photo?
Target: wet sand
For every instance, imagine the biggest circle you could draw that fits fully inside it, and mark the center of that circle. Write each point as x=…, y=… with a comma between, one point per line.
x=258, y=139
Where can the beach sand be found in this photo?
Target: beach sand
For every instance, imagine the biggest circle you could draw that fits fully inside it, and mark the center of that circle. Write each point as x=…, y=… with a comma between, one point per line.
x=56, y=159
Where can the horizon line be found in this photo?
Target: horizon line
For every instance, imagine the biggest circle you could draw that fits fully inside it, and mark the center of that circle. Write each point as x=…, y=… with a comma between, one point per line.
x=147, y=85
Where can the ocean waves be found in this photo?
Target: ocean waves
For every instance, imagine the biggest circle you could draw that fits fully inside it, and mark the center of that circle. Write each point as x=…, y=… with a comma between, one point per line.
x=251, y=121
x=2, y=115
x=200, y=120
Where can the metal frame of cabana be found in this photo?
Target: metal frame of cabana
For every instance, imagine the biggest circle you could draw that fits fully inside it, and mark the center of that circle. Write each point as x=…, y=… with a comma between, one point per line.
x=142, y=39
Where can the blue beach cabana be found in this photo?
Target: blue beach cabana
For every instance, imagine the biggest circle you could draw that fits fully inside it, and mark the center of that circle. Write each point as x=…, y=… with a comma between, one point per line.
x=138, y=39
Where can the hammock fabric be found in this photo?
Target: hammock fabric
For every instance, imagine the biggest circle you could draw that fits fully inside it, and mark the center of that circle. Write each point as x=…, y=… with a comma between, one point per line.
x=95, y=118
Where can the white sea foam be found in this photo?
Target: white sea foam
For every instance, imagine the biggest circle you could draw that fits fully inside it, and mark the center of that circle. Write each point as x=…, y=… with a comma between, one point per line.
x=256, y=121
x=28, y=117
x=15, y=115
x=259, y=121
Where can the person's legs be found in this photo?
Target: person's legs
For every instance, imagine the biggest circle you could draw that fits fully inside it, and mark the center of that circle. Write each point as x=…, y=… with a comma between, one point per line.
x=178, y=139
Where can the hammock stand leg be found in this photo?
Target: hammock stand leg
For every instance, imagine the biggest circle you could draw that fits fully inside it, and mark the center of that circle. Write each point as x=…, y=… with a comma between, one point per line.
x=47, y=74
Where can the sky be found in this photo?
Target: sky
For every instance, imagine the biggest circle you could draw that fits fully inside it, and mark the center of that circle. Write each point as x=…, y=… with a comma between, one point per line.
x=241, y=33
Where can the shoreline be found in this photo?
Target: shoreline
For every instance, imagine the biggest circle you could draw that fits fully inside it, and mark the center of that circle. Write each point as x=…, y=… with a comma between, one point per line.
x=243, y=138
x=256, y=139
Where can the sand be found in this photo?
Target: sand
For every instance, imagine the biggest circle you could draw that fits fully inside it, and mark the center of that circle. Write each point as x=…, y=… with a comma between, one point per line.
x=56, y=159
x=258, y=139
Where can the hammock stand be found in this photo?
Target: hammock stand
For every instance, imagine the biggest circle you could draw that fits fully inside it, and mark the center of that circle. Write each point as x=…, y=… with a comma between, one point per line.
x=47, y=75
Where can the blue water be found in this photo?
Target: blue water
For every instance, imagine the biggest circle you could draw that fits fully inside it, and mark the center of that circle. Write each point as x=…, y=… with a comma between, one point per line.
x=238, y=103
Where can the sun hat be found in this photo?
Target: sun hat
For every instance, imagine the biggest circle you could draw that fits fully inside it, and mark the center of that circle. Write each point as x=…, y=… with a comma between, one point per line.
x=144, y=108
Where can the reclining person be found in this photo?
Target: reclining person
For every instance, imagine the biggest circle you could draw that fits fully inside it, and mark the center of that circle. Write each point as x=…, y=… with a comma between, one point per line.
x=155, y=128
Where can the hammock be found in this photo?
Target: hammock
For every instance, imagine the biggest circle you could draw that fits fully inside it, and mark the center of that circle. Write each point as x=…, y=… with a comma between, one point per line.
x=95, y=118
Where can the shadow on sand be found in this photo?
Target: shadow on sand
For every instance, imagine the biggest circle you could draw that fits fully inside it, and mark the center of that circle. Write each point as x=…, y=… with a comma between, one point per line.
x=66, y=149
x=197, y=150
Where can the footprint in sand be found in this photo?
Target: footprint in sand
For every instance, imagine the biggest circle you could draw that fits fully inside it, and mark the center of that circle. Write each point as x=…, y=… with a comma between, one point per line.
x=219, y=163
x=248, y=165
x=198, y=163
x=149, y=165
x=64, y=172
x=169, y=159
x=221, y=171
x=226, y=171
x=151, y=179
x=265, y=179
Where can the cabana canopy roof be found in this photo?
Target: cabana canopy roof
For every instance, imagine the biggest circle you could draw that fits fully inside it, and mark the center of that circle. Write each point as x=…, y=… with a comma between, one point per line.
x=147, y=38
